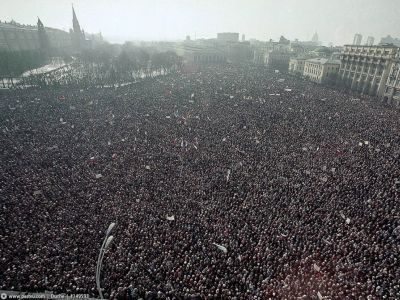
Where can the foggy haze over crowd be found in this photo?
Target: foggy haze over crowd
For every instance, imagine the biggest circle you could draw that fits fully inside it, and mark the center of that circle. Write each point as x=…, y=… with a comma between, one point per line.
x=121, y=20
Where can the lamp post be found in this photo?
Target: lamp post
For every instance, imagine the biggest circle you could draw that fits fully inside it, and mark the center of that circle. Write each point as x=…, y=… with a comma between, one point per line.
x=107, y=241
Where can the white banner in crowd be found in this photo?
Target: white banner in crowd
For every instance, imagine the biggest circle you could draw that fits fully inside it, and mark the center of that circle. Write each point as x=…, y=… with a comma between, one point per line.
x=222, y=248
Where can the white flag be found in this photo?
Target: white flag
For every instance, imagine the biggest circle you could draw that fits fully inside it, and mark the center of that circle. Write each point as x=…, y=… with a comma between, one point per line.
x=171, y=218
x=98, y=176
x=320, y=297
x=222, y=248
x=228, y=174
x=317, y=268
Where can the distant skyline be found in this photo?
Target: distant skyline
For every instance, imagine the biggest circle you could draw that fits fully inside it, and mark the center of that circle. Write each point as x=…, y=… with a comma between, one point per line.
x=120, y=20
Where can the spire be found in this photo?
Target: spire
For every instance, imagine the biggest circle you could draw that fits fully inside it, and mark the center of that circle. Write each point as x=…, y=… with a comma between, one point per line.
x=39, y=23
x=43, y=38
x=315, y=37
x=75, y=22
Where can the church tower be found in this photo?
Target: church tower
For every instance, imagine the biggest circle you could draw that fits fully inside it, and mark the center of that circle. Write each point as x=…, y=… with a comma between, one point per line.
x=77, y=35
x=315, y=39
x=75, y=23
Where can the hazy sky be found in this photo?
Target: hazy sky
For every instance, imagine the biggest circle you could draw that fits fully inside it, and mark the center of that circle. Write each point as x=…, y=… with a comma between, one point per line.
x=335, y=20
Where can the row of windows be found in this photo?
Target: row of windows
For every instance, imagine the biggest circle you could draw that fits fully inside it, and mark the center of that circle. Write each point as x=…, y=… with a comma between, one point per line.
x=359, y=59
x=370, y=51
x=386, y=52
x=312, y=71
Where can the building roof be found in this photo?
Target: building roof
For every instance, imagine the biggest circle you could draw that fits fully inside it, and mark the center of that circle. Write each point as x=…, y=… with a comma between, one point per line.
x=373, y=46
x=323, y=61
x=17, y=26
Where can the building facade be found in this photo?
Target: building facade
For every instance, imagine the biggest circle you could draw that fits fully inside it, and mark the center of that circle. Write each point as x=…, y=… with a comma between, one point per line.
x=296, y=65
x=370, y=41
x=278, y=60
x=17, y=37
x=200, y=53
x=273, y=55
x=390, y=40
x=238, y=52
x=365, y=69
x=392, y=89
x=228, y=37
x=321, y=70
x=357, y=39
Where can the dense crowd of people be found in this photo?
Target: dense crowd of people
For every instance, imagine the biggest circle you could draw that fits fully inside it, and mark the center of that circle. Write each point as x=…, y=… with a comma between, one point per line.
x=231, y=182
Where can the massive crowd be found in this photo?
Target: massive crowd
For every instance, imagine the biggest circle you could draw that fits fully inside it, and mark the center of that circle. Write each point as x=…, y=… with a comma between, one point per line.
x=278, y=189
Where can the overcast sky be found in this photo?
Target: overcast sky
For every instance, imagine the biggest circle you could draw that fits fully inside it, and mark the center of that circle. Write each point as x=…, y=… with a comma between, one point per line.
x=335, y=20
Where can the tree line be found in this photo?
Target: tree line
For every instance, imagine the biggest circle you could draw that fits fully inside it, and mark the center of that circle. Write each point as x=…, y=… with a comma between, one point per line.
x=128, y=62
x=105, y=64
x=14, y=63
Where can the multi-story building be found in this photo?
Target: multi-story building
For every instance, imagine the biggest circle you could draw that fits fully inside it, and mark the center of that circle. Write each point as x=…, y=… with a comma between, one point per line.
x=370, y=41
x=296, y=65
x=213, y=51
x=17, y=37
x=200, y=53
x=390, y=40
x=273, y=55
x=366, y=68
x=392, y=89
x=238, y=52
x=357, y=39
x=321, y=70
x=228, y=37
x=278, y=60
